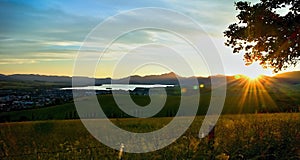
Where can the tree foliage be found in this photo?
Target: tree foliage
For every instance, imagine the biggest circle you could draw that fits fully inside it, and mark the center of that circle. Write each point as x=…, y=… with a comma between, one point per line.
x=265, y=35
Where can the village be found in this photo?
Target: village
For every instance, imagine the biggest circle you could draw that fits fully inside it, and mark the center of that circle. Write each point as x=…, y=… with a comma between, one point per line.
x=15, y=100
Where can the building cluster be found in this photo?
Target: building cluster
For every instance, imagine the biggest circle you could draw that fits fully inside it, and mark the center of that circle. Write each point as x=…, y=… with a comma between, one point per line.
x=14, y=100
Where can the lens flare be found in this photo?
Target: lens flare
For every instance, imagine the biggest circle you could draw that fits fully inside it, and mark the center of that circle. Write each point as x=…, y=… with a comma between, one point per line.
x=252, y=93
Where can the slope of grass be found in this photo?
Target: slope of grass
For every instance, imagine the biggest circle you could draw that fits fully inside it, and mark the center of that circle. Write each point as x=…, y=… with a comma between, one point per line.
x=256, y=136
x=59, y=112
x=236, y=102
x=109, y=106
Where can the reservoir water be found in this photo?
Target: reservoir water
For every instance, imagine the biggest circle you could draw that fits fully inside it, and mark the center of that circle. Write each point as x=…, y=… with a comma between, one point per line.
x=125, y=87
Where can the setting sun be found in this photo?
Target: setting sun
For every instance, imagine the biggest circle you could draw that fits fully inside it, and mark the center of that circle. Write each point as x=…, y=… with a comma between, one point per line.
x=254, y=76
x=255, y=71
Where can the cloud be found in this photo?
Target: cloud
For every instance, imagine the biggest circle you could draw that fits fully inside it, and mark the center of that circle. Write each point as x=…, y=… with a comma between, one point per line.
x=31, y=28
x=17, y=61
x=36, y=31
x=27, y=29
x=212, y=15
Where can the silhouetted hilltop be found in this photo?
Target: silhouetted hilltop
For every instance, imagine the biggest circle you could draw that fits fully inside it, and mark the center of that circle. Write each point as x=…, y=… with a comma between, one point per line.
x=289, y=77
x=42, y=78
x=167, y=78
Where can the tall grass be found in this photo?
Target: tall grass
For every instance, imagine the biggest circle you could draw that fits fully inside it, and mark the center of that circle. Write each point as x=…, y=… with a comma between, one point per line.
x=256, y=136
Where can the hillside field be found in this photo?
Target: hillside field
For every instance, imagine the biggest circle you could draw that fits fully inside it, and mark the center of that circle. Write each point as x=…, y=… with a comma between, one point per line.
x=235, y=103
x=248, y=136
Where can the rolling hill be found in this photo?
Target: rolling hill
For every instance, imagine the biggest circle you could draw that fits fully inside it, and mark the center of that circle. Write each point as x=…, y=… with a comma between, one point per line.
x=280, y=93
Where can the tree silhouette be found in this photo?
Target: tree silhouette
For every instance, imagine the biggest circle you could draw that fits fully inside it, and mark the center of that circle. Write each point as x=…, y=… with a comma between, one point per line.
x=265, y=35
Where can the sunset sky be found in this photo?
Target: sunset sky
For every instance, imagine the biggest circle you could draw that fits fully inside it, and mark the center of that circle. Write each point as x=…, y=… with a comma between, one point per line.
x=43, y=37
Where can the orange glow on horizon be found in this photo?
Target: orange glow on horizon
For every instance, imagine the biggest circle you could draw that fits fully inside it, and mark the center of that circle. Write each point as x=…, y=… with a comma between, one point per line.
x=252, y=93
x=254, y=77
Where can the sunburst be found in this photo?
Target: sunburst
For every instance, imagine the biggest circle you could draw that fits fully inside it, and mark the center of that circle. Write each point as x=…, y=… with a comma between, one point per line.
x=254, y=76
x=253, y=93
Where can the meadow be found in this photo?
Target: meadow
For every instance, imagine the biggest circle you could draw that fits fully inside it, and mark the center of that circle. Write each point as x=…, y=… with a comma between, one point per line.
x=235, y=103
x=253, y=125
x=247, y=136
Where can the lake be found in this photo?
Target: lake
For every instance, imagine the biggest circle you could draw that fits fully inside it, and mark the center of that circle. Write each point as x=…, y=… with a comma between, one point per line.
x=125, y=87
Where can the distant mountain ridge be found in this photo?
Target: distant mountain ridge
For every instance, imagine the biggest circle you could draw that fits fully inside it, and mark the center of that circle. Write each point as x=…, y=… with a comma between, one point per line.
x=290, y=77
x=167, y=78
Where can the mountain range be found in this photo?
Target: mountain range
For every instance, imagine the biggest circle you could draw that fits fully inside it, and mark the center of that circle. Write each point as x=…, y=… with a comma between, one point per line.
x=168, y=78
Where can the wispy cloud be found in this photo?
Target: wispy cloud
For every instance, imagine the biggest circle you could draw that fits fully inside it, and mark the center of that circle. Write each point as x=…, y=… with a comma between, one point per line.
x=17, y=61
x=39, y=32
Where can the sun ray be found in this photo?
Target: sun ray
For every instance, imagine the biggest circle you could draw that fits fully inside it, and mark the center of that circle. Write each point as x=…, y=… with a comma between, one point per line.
x=253, y=95
x=282, y=92
x=265, y=98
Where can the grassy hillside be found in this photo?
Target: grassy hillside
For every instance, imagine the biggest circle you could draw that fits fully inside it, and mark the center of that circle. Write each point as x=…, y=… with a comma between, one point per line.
x=265, y=95
x=65, y=111
x=256, y=136
x=111, y=109
x=237, y=101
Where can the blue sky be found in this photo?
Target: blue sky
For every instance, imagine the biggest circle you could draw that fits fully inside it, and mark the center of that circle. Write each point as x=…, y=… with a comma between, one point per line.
x=43, y=37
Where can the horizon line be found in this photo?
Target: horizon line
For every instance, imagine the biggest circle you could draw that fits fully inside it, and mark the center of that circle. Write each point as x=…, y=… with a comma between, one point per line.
x=70, y=76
